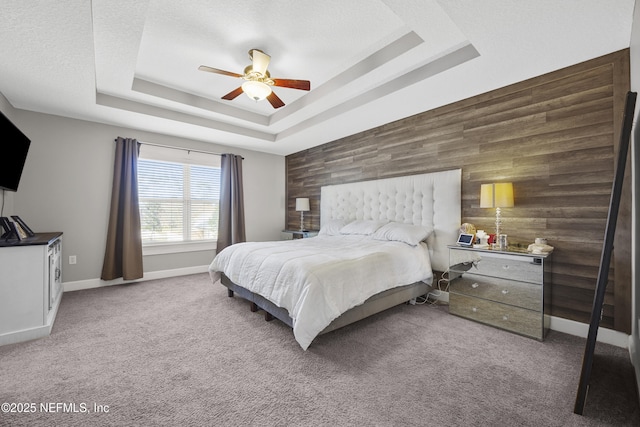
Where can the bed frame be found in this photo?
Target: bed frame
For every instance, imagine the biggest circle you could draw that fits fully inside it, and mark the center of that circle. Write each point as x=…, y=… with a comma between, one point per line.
x=431, y=199
x=373, y=305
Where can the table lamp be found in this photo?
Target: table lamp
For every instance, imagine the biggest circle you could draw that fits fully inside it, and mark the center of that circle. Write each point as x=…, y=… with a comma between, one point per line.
x=302, y=205
x=497, y=195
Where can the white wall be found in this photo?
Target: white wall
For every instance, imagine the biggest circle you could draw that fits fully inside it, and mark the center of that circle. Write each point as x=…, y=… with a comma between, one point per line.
x=66, y=186
x=634, y=344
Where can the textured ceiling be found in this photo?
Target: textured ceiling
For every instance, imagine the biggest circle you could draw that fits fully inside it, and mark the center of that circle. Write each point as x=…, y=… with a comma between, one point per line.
x=135, y=63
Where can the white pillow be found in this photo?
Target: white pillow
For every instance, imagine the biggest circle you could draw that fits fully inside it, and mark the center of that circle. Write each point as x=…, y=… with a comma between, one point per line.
x=332, y=227
x=399, y=232
x=362, y=226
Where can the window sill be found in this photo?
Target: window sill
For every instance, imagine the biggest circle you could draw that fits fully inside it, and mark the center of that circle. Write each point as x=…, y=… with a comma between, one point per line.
x=173, y=248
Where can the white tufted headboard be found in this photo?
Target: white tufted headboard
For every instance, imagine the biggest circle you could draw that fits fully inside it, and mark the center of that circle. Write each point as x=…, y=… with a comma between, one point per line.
x=431, y=199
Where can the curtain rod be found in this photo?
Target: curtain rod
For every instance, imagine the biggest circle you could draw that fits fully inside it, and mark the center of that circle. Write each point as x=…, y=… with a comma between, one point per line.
x=179, y=148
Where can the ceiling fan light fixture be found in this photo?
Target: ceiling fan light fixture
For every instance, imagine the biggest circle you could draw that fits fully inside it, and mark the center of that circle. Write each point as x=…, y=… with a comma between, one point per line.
x=256, y=90
x=258, y=81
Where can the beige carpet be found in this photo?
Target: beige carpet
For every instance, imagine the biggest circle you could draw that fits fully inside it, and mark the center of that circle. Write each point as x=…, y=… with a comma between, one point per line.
x=180, y=352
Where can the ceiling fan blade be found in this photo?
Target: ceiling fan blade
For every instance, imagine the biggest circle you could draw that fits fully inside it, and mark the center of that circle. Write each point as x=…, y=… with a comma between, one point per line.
x=233, y=94
x=293, y=84
x=274, y=100
x=260, y=61
x=218, y=71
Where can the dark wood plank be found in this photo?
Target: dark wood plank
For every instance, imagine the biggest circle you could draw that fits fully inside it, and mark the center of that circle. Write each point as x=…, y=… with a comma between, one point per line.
x=554, y=136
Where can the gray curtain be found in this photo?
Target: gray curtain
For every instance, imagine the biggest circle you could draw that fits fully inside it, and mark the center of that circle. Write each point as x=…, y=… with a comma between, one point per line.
x=123, y=253
x=231, y=220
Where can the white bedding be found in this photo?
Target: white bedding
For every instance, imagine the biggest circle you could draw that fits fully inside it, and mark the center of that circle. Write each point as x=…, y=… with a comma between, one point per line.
x=317, y=279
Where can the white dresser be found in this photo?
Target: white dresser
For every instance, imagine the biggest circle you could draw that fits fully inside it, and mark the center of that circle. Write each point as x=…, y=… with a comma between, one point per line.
x=30, y=286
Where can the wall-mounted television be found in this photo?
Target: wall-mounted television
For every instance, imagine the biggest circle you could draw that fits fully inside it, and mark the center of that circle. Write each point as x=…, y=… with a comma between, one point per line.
x=15, y=146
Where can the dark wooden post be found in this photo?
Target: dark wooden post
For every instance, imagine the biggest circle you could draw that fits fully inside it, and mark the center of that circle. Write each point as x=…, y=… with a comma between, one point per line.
x=607, y=251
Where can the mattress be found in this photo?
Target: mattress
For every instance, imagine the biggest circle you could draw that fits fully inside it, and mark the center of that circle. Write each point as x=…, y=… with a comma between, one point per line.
x=318, y=279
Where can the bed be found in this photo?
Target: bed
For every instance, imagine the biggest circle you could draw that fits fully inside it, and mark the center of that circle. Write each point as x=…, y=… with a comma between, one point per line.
x=378, y=245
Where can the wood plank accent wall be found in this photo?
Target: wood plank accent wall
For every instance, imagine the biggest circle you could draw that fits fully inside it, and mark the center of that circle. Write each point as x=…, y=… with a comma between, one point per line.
x=554, y=136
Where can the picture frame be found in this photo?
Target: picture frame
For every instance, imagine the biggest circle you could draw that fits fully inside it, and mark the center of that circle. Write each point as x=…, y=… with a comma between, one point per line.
x=25, y=228
x=465, y=240
x=11, y=229
x=6, y=226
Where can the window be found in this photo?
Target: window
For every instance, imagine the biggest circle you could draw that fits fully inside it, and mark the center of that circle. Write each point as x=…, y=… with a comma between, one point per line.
x=179, y=194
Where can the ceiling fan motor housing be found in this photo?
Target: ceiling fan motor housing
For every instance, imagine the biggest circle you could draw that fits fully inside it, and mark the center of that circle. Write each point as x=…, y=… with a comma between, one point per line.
x=258, y=80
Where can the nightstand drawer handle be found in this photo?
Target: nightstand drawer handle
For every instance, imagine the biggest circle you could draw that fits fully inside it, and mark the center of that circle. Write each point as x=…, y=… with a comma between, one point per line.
x=505, y=291
x=474, y=285
x=505, y=267
x=505, y=317
x=474, y=309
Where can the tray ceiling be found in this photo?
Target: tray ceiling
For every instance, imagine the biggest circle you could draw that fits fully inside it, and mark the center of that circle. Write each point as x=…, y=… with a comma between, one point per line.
x=135, y=63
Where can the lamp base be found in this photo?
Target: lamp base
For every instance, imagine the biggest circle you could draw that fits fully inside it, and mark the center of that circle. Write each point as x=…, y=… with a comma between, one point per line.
x=501, y=239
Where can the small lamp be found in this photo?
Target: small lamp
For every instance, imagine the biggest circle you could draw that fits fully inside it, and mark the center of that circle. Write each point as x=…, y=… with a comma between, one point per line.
x=497, y=195
x=302, y=205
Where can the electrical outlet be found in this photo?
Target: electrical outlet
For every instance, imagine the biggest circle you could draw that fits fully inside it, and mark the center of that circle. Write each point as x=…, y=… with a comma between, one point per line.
x=72, y=259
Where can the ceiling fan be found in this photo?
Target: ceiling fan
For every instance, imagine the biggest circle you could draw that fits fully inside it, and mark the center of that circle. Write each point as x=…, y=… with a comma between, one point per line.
x=258, y=80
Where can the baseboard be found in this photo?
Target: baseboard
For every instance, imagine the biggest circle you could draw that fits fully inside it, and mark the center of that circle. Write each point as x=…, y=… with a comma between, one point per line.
x=25, y=335
x=150, y=275
x=35, y=332
x=571, y=327
x=607, y=336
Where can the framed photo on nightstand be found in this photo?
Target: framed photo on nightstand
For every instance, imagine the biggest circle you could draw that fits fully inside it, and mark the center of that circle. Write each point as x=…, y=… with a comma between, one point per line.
x=465, y=240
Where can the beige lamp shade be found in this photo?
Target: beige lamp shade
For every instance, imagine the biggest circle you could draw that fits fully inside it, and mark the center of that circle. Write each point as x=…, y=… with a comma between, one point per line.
x=302, y=204
x=497, y=195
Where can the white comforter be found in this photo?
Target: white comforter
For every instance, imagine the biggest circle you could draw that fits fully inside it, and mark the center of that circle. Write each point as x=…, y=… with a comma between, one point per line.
x=317, y=279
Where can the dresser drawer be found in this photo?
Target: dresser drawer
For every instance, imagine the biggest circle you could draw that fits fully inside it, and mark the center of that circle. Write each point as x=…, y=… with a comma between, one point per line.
x=523, y=269
x=514, y=319
x=519, y=294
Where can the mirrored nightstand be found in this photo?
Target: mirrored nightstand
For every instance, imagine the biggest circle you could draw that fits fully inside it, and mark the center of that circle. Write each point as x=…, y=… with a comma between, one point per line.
x=297, y=234
x=502, y=288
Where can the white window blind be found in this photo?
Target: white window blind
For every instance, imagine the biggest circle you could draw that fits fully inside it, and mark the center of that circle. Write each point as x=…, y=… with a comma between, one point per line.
x=179, y=193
